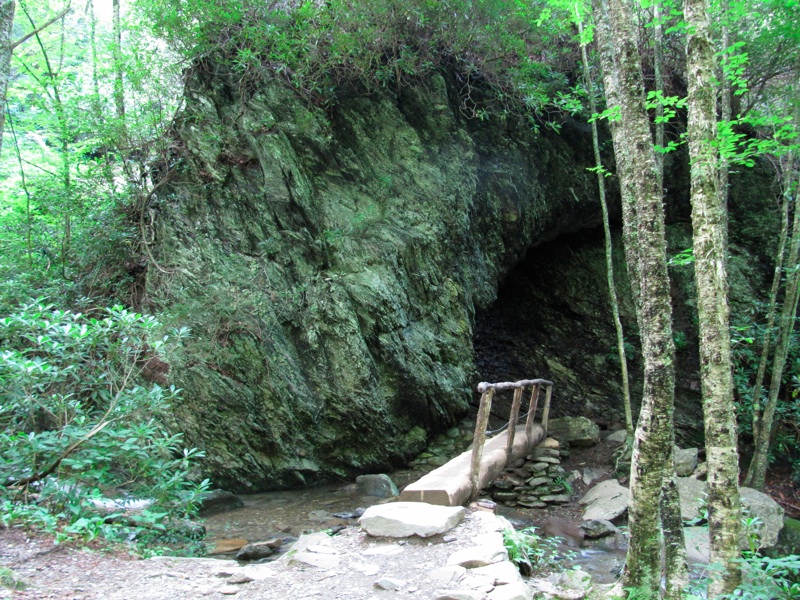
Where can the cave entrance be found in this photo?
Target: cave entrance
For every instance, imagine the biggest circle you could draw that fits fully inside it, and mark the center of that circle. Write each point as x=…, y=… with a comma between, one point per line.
x=551, y=320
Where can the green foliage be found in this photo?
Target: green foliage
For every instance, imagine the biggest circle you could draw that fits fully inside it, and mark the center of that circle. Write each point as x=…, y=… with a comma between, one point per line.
x=774, y=578
x=513, y=49
x=80, y=427
x=531, y=553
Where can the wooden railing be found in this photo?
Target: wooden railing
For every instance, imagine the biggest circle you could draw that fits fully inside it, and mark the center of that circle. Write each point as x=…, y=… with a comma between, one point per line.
x=487, y=391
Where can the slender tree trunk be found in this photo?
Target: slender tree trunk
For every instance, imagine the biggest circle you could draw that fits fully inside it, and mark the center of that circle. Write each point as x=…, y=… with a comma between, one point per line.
x=658, y=68
x=643, y=217
x=766, y=347
x=64, y=153
x=726, y=114
x=119, y=86
x=612, y=288
x=7, y=9
x=708, y=223
x=757, y=471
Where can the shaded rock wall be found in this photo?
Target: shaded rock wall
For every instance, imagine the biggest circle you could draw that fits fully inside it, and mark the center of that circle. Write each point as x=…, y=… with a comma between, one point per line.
x=330, y=266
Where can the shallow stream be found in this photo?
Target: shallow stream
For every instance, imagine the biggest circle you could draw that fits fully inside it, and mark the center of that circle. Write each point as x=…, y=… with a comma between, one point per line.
x=290, y=513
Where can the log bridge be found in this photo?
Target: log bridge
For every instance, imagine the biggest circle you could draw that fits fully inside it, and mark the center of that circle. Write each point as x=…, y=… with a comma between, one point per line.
x=460, y=480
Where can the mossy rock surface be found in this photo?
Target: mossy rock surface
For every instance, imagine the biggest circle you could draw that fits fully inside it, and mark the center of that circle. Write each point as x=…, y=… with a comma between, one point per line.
x=331, y=266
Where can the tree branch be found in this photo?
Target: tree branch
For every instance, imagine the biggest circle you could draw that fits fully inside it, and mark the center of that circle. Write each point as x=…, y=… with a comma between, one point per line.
x=28, y=36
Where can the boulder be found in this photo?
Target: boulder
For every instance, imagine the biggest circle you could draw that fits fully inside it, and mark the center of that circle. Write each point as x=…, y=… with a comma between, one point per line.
x=754, y=503
x=685, y=461
x=597, y=528
x=769, y=513
x=697, y=544
x=788, y=539
x=606, y=501
x=618, y=437
x=380, y=486
x=217, y=501
x=692, y=493
x=404, y=519
x=578, y=431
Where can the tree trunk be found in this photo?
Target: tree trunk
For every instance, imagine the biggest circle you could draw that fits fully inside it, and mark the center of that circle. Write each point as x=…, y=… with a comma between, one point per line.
x=7, y=9
x=643, y=224
x=708, y=224
x=119, y=86
x=612, y=288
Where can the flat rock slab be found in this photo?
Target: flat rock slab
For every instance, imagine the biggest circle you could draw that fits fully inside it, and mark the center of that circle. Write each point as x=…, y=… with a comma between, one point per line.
x=606, y=501
x=404, y=519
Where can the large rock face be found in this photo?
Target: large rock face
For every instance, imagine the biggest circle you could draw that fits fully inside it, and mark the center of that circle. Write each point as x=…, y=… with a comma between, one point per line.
x=330, y=267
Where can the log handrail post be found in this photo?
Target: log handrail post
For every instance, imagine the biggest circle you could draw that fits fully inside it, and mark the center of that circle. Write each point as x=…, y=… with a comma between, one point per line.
x=546, y=412
x=478, y=440
x=532, y=404
x=512, y=422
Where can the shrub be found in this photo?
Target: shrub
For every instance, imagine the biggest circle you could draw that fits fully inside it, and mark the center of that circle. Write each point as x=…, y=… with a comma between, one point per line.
x=80, y=428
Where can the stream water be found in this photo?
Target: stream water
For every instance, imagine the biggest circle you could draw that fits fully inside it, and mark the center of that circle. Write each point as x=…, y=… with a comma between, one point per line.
x=290, y=513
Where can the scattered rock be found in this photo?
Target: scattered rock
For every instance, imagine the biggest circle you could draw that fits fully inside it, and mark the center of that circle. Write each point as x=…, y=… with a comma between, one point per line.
x=578, y=431
x=217, y=501
x=404, y=519
x=228, y=590
x=389, y=584
x=319, y=538
x=502, y=573
x=314, y=559
x=259, y=550
x=685, y=461
x=512, y=591
x=618, y=437
x=598, y=528
x=451, y=574
x=365, y=568
x=479, y=556
x=239, y=579
x=606, y=501
x=226, y=546
x=459, y=595
x=355, y=514
x=591, y=474
x=569, y=585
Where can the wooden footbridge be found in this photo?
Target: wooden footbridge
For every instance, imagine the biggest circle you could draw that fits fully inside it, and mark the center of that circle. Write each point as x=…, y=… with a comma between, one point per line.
x=462, y=478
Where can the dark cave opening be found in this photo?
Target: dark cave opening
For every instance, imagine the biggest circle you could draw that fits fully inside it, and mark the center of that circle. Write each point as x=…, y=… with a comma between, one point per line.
x=551, y=320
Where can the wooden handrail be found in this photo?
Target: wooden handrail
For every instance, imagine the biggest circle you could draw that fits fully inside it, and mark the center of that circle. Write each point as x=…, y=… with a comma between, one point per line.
x=487, y=391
